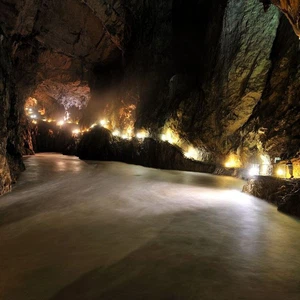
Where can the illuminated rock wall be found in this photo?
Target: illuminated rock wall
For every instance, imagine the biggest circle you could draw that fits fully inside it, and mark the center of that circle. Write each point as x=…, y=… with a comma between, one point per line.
x=285, y=194
x=291, y=9
x=274, y=124
x=203, y=82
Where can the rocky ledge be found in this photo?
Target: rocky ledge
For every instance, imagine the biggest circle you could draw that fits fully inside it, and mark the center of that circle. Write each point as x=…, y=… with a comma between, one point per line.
x=100, y=144
x=284, y=193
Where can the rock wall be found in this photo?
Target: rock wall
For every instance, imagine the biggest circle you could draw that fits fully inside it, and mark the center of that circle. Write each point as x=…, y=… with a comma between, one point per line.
x=222, y=101
x=11, y=110
x=291, y=9
x=273, y=127
x=48, y=49
x=285, y=194
x=99, y=144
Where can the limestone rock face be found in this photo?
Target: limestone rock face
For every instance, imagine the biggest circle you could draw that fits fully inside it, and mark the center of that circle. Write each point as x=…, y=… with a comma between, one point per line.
x=291, y=9
x=240, y=73
x=99, y=144
x=10, y=157
x=206, y=80
x=274, y=124
x=285, y=194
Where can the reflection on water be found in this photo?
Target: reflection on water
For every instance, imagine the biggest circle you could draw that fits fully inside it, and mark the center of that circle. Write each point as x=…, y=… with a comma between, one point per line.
x=105, y=230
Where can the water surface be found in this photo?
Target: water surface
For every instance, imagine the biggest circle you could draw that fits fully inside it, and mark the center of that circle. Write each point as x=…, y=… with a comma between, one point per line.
x=107, y=230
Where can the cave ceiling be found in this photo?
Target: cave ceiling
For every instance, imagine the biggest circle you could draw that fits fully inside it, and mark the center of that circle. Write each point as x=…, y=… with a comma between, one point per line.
x=71, y=36
x=56, y=44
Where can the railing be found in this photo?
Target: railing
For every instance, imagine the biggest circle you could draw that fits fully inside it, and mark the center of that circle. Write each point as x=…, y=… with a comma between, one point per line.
x=277, y=170
x=282, y=170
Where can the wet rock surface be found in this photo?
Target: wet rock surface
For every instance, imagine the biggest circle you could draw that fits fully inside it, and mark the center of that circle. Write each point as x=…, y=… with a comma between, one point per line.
x=99, y=144
x=285, y=194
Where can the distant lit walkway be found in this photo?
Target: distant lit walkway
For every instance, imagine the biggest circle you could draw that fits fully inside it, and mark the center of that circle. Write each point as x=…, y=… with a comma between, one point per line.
x=97, y=231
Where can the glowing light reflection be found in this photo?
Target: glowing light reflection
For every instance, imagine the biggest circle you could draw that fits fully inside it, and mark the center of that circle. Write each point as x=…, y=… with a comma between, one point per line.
x=254, y=171
x=280, y=172
x=116, y=133
x=169, y=136
x=76, y=131
x=192, y=153
x=60, y=123
x=233, y=161
x=142, y=134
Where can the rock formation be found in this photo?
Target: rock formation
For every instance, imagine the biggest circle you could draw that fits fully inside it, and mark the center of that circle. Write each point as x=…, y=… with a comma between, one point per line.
x=291, y=9
x=285, y=194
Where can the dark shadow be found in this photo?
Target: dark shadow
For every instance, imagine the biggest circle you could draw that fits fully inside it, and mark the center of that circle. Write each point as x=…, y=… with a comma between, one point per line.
x=187, y=261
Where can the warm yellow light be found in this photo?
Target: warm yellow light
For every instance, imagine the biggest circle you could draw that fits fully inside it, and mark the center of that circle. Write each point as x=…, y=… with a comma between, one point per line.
x=93, y=125
x=192, y=153
x=34, y=122
x=103, y=122
x=280, y=172
x=254, y=171
x=116, y=133
x=76, y=131
x=265, y=159
x=233, y=161
x=42, y=111
x=142, y=134
x=265, y=168
x=33, y=116
x=126, y=137
x=169, y=136
x=127, y=133
x=231, y=164
x=60, y=123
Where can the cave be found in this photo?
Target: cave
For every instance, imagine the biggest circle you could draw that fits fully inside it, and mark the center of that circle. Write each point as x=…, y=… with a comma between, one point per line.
x=149, y=149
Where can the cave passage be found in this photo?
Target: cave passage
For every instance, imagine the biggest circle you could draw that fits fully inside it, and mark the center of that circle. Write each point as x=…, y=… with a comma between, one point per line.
x=129, y=232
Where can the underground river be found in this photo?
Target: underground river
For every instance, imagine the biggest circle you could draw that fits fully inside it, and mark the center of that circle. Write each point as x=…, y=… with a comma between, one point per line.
x=106, y=230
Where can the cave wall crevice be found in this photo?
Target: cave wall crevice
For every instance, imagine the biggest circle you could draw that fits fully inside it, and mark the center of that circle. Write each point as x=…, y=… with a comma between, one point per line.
x=274, y=124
